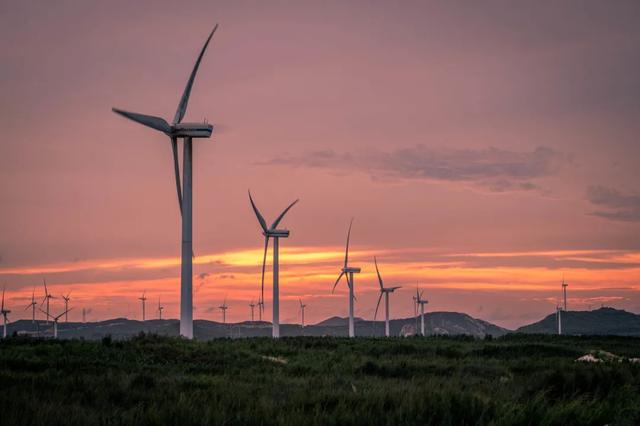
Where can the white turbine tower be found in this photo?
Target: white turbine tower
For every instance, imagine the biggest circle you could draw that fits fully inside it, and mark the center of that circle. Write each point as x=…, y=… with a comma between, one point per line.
x=559, y=319
x=143, y=299
x=564, y=292
x=185, y=131
x=276, y=234
x=55, y=321
x=421, y=302
x=383, y=291
x=252, y=306
x=66, y=298
x=160, y=308
x=224, y=308
x=47, y=298
x=348, y=271
x=302, y=306
x=33, y=306
x=4, y=312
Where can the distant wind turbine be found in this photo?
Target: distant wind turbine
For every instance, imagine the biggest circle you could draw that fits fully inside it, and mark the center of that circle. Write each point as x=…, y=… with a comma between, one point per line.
x=186, y=131
x=4, y=312
x=383, y=291
x=47, y=298
x=421, y=302
x=260, y=306
x=143, y=299
x=66, y=298
x=224, y=308
x=55, y=321
x=348, y=271
x=302, y=306
x=160, y=308
x=564, y=292
x=33, y=306
x=252, y=306
x=276, y=234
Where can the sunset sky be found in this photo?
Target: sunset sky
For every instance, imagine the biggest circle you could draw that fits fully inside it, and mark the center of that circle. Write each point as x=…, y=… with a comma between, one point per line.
x=484, y=150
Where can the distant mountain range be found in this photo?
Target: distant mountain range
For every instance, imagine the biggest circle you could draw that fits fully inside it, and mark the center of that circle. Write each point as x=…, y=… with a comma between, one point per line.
x=602, y=322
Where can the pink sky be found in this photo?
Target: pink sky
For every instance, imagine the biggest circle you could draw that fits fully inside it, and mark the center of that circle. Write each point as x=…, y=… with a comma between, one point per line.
x=484, y=150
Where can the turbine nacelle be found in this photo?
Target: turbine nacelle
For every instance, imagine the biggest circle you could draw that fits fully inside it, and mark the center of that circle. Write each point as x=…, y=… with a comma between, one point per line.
x=191, y=130
x=276, y=233
x=351, y=269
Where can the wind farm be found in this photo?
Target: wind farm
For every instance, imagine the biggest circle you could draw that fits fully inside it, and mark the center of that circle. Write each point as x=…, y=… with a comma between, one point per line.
x=485, y=154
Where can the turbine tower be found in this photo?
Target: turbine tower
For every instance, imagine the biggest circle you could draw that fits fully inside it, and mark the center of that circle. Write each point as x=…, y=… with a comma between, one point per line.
x=66, y=306
x=32, y=305
x=421, y=302
x=47, y=298
x=252, y=306
x=260, y=306
x=55, y=321
x=143, y=299
x=4, y=312
x=302, y=306
x=276, y=234
x=564, y=292
x=185, y=131
x=224, y=308
x=383, y=291
x=348, y=272
x=559, y=319
x=160, y=308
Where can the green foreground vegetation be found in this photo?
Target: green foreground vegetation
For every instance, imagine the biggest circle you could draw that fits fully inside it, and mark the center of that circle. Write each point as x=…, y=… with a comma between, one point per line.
x=151, y=380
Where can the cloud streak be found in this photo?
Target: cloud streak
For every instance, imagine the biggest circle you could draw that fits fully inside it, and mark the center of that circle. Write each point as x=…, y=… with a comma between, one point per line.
x=613, y=204
x=494, y=169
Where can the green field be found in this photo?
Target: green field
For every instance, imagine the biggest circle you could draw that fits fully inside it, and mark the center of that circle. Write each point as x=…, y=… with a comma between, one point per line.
x=150, y=380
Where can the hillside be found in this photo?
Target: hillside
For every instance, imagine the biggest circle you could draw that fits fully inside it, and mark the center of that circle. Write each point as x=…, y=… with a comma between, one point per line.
x=439, y=323
x=603, y=321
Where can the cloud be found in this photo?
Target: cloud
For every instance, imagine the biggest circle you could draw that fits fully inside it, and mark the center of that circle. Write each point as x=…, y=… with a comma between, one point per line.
x=495, y=169
x=203, y=275
x=614, y=205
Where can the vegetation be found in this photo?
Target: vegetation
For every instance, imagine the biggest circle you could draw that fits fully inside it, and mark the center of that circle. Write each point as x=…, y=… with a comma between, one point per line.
x=152, y=380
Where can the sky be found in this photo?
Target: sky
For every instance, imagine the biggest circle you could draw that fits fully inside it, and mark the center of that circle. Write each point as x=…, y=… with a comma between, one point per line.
x=485, y=150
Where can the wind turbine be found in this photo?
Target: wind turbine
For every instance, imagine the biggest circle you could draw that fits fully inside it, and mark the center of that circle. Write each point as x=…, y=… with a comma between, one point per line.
x=186, y=131
x=348, y=271
x=47, y=297
x=32, y=305
x=421, y=302
x=144, y=300
x=564, y=292
x=276, y=234
x=224, y=308
x=160, y=308
x=383, y=291
x=66, y=306
x=252, y=306
x=55, y=321
x=4, y=312
x=260, y=306
x=302, y=306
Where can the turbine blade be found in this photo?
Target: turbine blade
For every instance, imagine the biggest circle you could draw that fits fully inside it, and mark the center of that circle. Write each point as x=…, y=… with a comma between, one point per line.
x=377, y=306
x=337, y=281
x=2, y=309
x=156, y=123
x=176, y=167
x=264, y=262
x=378, y=272
x=350, y=284
x=263, y=224
x=46, y=292
x=346, y=252
x=277, y=221
x=182, y=106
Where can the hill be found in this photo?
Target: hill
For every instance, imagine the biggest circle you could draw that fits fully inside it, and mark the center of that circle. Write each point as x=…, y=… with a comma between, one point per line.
x=603, y=321
x=436, y=323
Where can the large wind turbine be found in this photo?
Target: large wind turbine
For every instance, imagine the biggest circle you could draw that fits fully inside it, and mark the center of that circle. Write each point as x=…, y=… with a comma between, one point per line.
x=143, y=299
x=383, y=291
x=55, y=321
x=348, y=271
x=276, y=234
x=4, y=312
x=421, y=302
x=302, y=306
x=66, y=298
x=47, y=297
x=564, y=292
x=32, y=305
x=186, y=131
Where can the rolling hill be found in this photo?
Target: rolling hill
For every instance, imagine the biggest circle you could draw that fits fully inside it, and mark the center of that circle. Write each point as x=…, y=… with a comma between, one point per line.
x=603, y=321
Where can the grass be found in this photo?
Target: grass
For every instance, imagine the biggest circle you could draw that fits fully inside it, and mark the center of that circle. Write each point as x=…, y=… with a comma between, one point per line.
x=151, y=380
